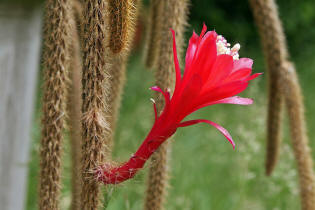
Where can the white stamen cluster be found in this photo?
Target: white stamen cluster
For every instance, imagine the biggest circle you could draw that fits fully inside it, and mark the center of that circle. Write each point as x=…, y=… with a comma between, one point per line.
x=223, y=47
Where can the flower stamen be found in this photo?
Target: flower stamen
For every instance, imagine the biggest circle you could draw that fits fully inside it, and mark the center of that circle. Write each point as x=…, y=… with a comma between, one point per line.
x=223, y=47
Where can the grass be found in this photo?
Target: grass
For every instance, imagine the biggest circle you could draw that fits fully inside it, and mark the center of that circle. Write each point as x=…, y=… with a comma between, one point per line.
x=206, y=174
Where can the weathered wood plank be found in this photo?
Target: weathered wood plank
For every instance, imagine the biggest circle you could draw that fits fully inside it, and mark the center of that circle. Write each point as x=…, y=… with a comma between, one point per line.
x=20, y=38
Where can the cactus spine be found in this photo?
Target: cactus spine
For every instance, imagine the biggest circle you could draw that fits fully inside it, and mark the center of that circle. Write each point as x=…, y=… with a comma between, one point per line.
x=165, y=76
x=54, y=102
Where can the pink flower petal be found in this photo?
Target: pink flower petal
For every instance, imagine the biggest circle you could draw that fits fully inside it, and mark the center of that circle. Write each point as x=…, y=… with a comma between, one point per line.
x=192, y=89
x=191, y=50
x=237, y=100
x=254, y=76
x=242, y=63
x=190, y=92
x=223, y=91
x=217, y=126
x=238, y=75
x=206, y=55
x=220, y=70
x=165, y=94
x=204, y=58
x=203, y=31
x=155, y=110
x=187, y=97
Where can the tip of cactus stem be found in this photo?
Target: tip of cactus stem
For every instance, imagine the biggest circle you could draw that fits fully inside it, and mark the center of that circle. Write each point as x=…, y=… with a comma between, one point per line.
x=268, y=172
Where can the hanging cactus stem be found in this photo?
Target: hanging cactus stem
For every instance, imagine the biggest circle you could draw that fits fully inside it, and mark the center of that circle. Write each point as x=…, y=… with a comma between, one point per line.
x=284, y=83
x=121, y=24
x=54, y=101
x=94, y=126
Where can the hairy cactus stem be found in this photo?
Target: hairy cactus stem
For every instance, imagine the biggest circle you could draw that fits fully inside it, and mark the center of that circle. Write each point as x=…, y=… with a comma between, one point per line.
x=118, y=11
x=121, y=23
x=285, y=80
x=74, y=103
x=56, y=52
x=94, y=126
x=275, y=50
x=154, y=24
x=295, y=106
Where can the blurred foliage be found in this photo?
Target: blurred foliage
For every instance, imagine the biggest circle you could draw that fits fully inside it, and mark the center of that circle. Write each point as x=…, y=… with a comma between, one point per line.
x=234, y=20
x=23, y=3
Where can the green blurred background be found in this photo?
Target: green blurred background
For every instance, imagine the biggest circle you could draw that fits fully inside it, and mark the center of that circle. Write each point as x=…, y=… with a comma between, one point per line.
x=206, y=174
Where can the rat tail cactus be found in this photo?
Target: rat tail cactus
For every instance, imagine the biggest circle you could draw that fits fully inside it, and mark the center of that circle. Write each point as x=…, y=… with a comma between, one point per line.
x=94, y=125
x=56, y=53
x=275, y=51
x=154, y=30
x=284, y=84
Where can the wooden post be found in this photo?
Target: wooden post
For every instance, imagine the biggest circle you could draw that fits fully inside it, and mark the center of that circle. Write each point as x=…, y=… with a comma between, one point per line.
x=20, y=38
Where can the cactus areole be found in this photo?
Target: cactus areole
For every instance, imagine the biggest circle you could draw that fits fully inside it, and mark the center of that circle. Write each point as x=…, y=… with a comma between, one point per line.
x=213, y=74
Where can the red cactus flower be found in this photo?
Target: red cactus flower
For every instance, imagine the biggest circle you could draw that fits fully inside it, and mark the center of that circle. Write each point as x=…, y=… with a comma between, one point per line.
x=213, y=75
